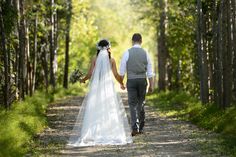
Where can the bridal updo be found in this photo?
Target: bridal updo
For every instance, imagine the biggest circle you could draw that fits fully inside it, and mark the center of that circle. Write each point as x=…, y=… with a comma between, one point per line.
x=104, y=44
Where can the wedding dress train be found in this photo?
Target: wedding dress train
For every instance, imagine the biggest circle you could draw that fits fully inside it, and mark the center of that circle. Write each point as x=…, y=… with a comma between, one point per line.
x=102, y=119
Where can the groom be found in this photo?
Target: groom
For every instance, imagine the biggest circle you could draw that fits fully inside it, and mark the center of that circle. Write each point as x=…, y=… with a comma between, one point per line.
x=136, y=62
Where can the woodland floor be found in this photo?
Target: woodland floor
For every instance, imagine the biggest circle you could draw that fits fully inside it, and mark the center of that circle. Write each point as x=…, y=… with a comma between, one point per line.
x=163, y=136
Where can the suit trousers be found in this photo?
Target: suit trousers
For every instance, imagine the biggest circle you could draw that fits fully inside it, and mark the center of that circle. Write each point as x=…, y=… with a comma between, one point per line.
x=136, y=99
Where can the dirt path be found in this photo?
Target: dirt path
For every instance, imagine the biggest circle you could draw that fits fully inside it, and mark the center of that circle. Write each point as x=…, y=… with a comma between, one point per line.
x=163, y=136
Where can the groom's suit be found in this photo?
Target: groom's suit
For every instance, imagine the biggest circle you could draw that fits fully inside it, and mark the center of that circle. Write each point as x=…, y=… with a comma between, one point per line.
x=137, y=64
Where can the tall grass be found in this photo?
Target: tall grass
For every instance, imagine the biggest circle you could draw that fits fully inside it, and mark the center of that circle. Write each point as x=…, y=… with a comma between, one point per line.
x=25, y=119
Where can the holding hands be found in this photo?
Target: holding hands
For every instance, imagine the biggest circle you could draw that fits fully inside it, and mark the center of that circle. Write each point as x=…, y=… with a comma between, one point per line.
x=122, y=86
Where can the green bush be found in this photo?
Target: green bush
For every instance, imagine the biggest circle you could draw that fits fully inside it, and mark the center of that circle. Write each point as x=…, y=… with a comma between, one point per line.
x=25, y=119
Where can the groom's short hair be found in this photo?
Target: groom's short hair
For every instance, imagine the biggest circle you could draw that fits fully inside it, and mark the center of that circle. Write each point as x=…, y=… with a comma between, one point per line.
x=137, y=37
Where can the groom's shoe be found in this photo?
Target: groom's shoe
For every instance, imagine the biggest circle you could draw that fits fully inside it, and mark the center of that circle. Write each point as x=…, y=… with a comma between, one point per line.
x=134, y=133
x=141, y=132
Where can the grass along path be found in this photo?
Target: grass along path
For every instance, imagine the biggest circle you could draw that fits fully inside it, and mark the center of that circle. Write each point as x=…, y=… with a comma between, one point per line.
x=163, y=136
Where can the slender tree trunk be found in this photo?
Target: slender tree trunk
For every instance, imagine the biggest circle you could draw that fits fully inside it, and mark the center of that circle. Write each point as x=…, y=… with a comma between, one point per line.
x=169, y=74
x=3, y=46
x=205, y=51
x=215, y=56
x=201, y=55
x=27, y=75
x=224, y=46
x=22, y=50
x=209, y=50
x=44, y=60
x=66, y=67
x=52, y=46
x=17, y=50
x=34, y=53
x=55, y=64
x=234, y=48
x=162, y=48
x=220, y=54
x=178, y=72
x=227, y=57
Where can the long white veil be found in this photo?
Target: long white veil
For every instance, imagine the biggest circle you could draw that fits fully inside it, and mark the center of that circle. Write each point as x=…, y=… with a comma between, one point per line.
x=102, y=118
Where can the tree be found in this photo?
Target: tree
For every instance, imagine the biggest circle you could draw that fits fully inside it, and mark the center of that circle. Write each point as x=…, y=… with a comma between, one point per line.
x=35, y=47
x=234, y=47
x=6, y=66
x=202, y=55
x=52, y=45
x=22, y=48
x=162, y=49
x=67, y=41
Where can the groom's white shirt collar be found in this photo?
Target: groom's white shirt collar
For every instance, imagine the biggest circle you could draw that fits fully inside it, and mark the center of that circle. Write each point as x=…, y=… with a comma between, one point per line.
x=137, y=45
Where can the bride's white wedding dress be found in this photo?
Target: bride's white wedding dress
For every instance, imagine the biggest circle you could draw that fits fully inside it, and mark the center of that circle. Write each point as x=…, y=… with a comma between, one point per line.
x=102, y=119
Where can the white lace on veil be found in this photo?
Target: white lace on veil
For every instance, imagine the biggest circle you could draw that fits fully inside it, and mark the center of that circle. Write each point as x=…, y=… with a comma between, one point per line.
x=102, y=118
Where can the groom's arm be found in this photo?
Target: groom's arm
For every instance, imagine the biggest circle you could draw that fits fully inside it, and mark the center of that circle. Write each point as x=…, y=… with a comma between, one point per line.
x=123, y=67
x=123, y=64
x=150, y=75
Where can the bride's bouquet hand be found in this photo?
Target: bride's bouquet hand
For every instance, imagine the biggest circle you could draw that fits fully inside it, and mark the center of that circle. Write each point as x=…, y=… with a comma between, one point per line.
x=76, y=76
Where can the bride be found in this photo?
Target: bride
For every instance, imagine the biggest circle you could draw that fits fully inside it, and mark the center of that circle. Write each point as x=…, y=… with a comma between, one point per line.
x=102, y=119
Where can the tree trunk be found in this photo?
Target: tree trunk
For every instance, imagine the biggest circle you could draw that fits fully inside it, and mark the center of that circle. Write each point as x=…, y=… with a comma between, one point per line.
x=17, y=51
x=55, y=64
x=66, y=67
x=215, y=51
x=227, y=57
x=220, y=54
x=34, y=54
x=44, y=60
x=27, y=75
x=234, y=49
x=162, y=48
x=52, y=45
x=224, y=51
x=202, y=55
x=209, y=49
x=3, y=46
x=22, y=68
x=178, y=72
x=169, y=70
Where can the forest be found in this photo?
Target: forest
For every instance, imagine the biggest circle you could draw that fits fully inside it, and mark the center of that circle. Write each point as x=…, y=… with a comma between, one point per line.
x=192, y=45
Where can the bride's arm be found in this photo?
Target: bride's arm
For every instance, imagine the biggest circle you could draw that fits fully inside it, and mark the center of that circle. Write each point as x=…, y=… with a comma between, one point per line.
x=115, y=73
x=90, y=71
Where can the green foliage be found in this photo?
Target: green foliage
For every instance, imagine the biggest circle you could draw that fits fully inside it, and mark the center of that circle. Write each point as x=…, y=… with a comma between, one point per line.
x=25, y=119
x=180, y=39
x=93, y=20
x=181, y=45
x=9, y=16
x=184, y=106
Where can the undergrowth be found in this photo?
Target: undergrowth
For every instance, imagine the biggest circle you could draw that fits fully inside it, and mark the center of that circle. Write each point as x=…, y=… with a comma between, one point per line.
x=25, y=119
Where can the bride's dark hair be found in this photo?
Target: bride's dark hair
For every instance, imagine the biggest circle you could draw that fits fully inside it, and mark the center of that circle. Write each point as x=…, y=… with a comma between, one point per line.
x=104, y=43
